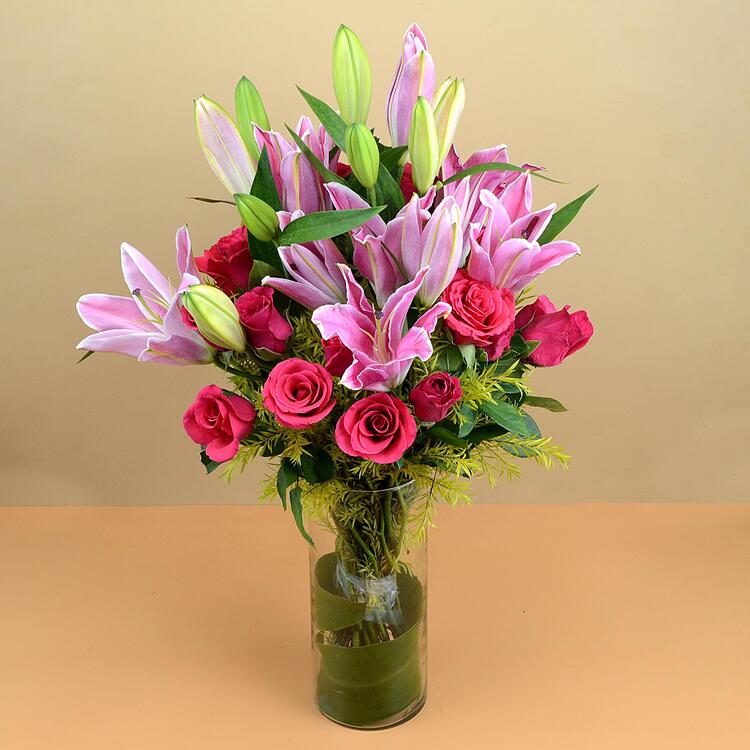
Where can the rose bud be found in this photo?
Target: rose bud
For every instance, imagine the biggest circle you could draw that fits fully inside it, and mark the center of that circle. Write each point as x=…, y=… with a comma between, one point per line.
x=378, y=428
x=352, y=79
x=219, y=421
x=228, y=262
x=423, y=146
x=447, y=105
x=215, y=316
x=434, y=396
x=362, y=151
x=250, y=110
x=559, y=332
x=265, y=326
x=259, y=218
x=298, y=393
x=337, y=356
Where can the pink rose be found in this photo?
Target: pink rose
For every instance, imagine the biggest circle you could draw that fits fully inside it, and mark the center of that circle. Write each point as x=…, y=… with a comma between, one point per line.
x=298, y=393
x=228, y=262
x=559, y=332
x=434, y=396
x=219, y=422
x=481, y=314
x=266, y=327
x=338, y=357
x=379, y=428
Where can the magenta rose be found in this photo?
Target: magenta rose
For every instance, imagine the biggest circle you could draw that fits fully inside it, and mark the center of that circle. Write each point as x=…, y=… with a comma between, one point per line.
x=338, y=357
x=434, y=396
x=559, y=332
x=298, y=393
x=379, y=428
x=228, y=262
x=219, y=421
x=265, y=326
x=480, y=314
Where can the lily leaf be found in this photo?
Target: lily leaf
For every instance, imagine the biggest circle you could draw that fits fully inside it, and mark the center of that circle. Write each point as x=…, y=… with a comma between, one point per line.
x=390, y=158
x=264, y=186
x=322, y=225
x=328, y=117
x=497, y=166
x=317, y=164
x=563, y=216
x=295, y=500
x=544, y=402
x=507, y=416
x=85, y=356
x=388, y=191
x=209, y=200
x=444, y=434
x=286, y=477
x=261, y=269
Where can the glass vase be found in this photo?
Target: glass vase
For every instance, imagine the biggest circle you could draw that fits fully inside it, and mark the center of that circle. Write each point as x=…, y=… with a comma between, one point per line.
x=368, y=582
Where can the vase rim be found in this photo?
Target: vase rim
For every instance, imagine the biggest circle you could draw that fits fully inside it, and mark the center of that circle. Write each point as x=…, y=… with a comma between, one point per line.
x=397, y=487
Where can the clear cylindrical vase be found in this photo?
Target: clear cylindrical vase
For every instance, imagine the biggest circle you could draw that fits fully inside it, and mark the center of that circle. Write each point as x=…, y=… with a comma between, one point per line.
x=368, y=583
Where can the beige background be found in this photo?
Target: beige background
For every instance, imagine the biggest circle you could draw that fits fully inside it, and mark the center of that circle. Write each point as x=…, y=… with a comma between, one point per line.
x=648, y=99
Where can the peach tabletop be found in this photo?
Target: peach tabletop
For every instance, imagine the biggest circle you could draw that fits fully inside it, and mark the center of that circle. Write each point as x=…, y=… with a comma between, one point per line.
x=581, y=627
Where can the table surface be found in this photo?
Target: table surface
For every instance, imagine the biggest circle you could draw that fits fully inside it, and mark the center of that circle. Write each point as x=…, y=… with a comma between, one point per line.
x=568, y=626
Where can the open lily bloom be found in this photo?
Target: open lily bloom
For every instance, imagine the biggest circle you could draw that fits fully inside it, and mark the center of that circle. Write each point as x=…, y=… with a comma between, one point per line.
x=504, y=248
x=388, y=255
x=382, y=346
x=297, y=182
x=147, y=325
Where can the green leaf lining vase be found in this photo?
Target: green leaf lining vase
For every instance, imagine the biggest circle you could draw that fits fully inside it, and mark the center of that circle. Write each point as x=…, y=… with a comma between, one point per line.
x=368, y=594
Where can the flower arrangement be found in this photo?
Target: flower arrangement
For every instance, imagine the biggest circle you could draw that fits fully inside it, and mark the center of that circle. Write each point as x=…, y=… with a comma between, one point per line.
x=374, y=314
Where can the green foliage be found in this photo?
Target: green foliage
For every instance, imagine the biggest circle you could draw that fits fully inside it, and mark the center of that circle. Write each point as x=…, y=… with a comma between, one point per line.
x=563, y=216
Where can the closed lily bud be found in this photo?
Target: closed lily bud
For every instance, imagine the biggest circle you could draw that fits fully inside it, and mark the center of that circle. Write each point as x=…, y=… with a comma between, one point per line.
x=223, y=146
x=259, y=218
x=362, y=150
x=249, y=109
x=215, y=316
x=447, y=105
x=352, y=79
x=423, y=146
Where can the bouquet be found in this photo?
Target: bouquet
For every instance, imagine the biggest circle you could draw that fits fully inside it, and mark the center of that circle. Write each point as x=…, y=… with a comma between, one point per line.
x=376, y=320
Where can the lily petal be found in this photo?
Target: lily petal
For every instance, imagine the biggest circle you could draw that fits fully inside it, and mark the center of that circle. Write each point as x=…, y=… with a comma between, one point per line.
x=104, y=312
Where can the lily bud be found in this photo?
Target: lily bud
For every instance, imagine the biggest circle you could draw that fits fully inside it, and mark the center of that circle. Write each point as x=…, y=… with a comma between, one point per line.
x=423, y=146
x=352, y=79
x=216, y=316
x=259, y=218
x=249, y=109
x=447, y=105
x=362, y=150
x=223, y=146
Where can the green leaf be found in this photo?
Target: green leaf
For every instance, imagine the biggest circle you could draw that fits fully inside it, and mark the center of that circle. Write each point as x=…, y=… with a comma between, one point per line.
x=322, y=225
x=446, y=436
x=544, y=402
x=329, y=119
x=390, y=158
x=496, y=166
x=317, y=164
x=317, y=466
x=209, y=200
x=295, y=500
x=486, y=432
x=507, y=416
x=260, y=270
x=264, y=185
x=450, y=359
x=85, y=356
x=333, y=611
x=563, y=216
x=388, y=191
x=209, y=463
x=469, y=353
x=465, y=428
x=286, y=477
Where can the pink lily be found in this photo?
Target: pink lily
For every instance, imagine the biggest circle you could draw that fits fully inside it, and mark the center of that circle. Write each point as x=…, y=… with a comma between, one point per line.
x=382, y=346
x=314, y=269
x=388, y=255
x=504, y=248
x=299, y=185
x=147, y=325
x=414, y=77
